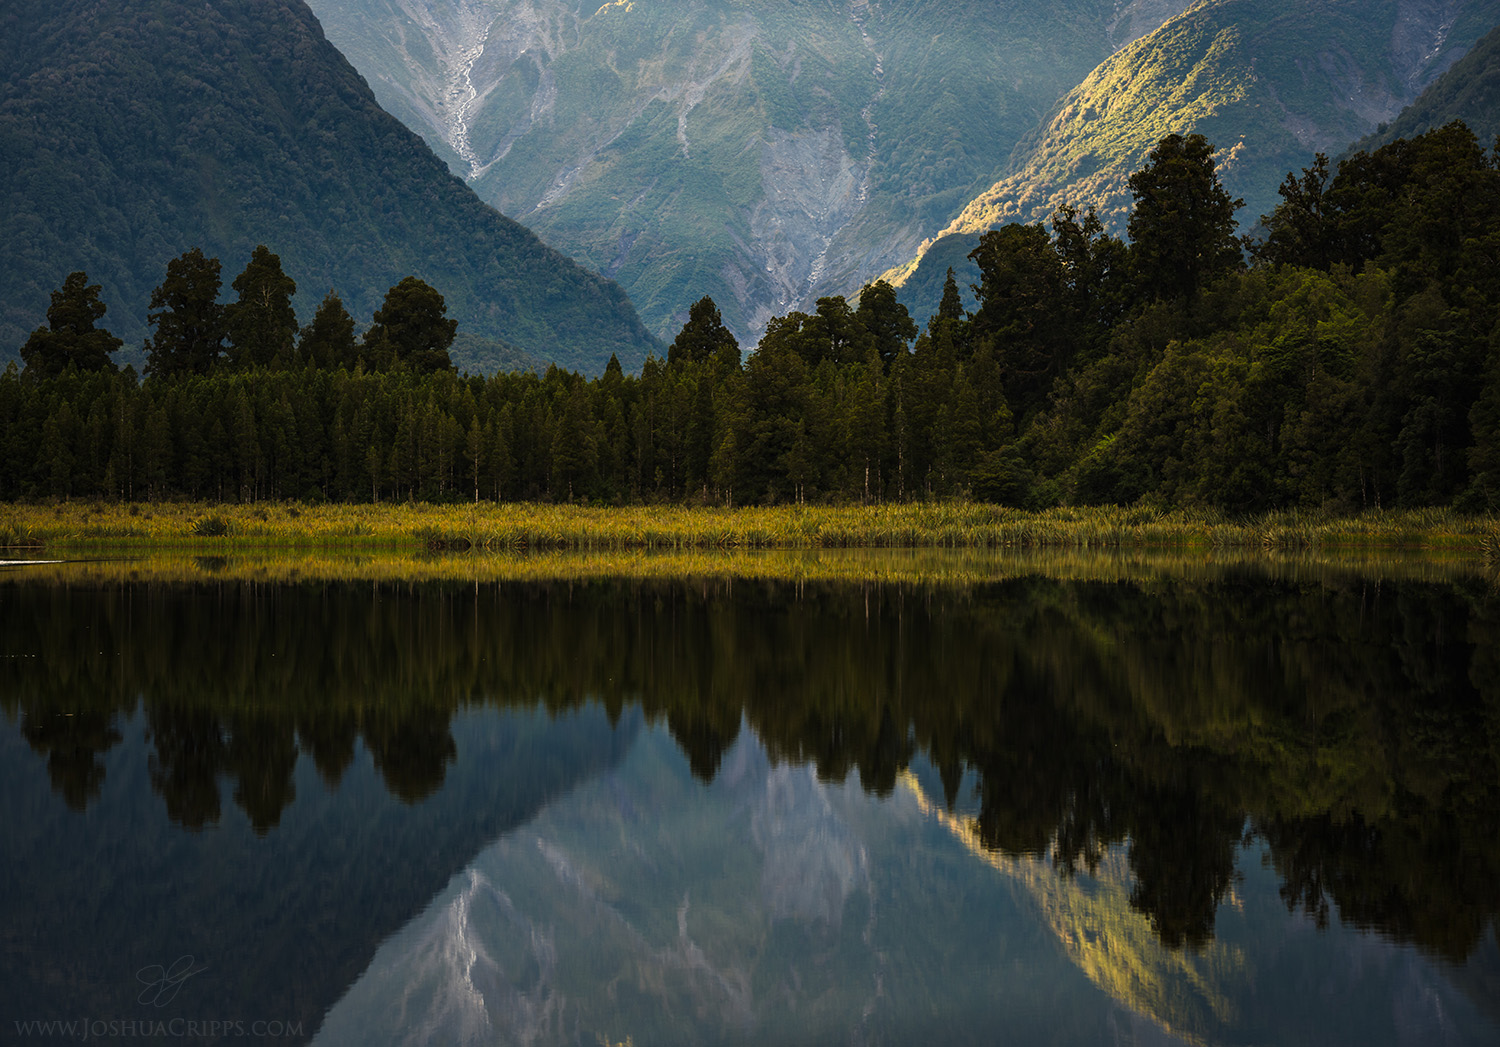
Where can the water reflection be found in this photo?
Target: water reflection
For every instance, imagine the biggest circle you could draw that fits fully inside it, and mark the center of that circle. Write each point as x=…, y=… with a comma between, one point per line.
x=284, y=893
x=771, y=907
x=1347, y=726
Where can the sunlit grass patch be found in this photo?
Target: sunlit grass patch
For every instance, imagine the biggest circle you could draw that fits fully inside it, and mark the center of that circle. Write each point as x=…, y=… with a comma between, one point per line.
x=533, y=526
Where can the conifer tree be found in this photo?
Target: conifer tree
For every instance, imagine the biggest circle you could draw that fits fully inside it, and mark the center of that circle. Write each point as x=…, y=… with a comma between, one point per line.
x=187, y=317
x=1182, y=225
x=951, y=307
x=703, y=337
x=1300, y=231
x=328, y=341
x=886, y=320
x=261, y=325
x=411, y=329
x=70, y=337
x=1023, y=307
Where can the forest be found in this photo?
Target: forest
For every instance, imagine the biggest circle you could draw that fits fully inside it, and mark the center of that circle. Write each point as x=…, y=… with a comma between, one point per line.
x=1346, y=355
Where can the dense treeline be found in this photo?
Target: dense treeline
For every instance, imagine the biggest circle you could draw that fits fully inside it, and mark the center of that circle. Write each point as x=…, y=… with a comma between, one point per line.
x=1354, y=362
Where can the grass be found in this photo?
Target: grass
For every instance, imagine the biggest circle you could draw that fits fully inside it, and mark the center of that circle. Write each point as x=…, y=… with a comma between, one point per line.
x=84, y=527
x=872, y=567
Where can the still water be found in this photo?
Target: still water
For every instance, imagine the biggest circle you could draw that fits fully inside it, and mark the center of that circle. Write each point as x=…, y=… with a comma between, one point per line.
x=982, y=802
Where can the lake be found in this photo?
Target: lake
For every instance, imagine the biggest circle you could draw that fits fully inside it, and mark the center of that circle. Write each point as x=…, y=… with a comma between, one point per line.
x=869, y=798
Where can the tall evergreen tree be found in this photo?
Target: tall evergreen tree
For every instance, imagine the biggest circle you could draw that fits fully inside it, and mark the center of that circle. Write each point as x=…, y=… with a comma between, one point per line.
x=1299, y=232
x=951, y=307
x=1182, y=225
x=947, y=334
x=886, y=320
x=329, y=340
x=187, y=316
x=70, y=336
x=261, y=325
x=411, y=329
x=836, y=333
x=1023, y=311
x=1096, y=270
x=703, y=337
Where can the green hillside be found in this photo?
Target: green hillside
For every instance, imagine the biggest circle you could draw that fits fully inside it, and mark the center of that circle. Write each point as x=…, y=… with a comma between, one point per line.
x=763, y=154
x=1270, y=82
x=133, y=130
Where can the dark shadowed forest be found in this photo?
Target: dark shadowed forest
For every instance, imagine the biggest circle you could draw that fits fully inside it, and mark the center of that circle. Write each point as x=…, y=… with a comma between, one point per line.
x=1347, y=356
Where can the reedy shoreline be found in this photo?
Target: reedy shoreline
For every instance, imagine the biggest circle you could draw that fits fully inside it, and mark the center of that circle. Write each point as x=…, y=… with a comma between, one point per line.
x=93, y=527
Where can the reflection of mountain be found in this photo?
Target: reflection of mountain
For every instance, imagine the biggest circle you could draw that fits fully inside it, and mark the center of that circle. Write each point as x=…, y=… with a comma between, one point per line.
x=282, y=920
x=1353, y=725
x=646, y=908
x=769, y=907
x=1267, y=978
x=1184, y=990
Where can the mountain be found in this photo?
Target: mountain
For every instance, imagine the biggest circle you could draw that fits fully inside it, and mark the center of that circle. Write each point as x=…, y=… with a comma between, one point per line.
x=764, y=154
x=1270, y=82
x=1469, y=91
x=132, y=130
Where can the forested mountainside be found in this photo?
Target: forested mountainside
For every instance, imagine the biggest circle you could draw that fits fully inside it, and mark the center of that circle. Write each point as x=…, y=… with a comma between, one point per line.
x=132, y=130
x=1469, y=91
x=1270, y=82
x=1352, y=365
x=763, y=154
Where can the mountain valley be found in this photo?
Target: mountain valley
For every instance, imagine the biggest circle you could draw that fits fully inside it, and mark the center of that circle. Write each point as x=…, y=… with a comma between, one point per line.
x=769, y=157
x=765, y=155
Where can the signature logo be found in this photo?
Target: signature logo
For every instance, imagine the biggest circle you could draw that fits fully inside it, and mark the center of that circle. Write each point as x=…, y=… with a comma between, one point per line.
x=163, y=983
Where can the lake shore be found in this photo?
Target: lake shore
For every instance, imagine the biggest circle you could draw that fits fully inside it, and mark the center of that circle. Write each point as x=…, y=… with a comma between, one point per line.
x=93, y=527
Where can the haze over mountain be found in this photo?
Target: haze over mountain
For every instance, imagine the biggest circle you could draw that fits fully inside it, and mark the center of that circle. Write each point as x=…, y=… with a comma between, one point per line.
x=1469, y=91
x=764, y=154
x=133, y=130
x=1269, y=82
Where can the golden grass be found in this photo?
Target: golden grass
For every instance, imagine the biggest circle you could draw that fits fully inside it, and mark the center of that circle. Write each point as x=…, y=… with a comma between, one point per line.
x=96, y=527
x=920, y=567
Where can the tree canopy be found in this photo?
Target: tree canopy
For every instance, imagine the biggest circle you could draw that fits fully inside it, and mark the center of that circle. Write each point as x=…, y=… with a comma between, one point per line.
x=187, y=317
x=1182, y=227
x=71, y=338
x=411, y=329
x=261, y=325
x=1355, y=363
x=703, y=337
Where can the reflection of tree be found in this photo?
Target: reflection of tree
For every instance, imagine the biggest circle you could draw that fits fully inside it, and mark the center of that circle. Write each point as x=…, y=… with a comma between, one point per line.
x=73, y=744
x=704, y=740
x=1183, y=859
x=1052, y=785
x=412, y=752
x=1412, y=879
x=1355, y=727
x=190, y=753
x=1046, y=784
x=262, y=755
x=329, y=736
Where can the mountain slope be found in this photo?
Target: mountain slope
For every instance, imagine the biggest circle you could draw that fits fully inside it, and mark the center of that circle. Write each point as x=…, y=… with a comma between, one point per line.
x=765, y=154
x=131, y=130
x=1469, y=91
x=1270, y=82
